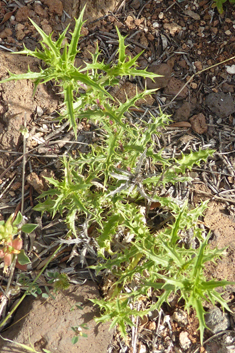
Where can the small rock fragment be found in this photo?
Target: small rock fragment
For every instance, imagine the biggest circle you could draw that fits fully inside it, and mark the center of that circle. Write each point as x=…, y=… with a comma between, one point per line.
x=55, y=6
x=40, y=11
x=39, y=183
x=174, y=86
x=193, y=85
x=221, y=104
x=7, y=32
x=142, y=348
x=46, y=27
x=198, y=65
x=227, y=88
x=198, y=123
x=130, y=22
x=172, y=27
x=136, y=4
x=160, y=82
x=185, y=342
x=22, y=14
x=20, y=31
x=192, y=14
x=180, y=317
x=183, y=112
x=230, y=69
x=216, y=320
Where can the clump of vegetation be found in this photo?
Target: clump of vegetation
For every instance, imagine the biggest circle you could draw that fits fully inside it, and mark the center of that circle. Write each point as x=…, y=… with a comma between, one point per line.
x=114, y=184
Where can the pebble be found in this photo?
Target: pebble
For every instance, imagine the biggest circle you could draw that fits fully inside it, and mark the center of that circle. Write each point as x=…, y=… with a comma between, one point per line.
x=172, y=27
x=198, y=123
x=192, y=14
x=183, y=112
x=221, y=104
x=142, y=349
x=174, y=86
x=180, y=317
x=160, y=82
x=185, y=342
x=216, y=320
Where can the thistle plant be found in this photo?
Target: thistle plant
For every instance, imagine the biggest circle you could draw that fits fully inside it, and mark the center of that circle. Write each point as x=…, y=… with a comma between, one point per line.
x=11, y=242
x=114, y=183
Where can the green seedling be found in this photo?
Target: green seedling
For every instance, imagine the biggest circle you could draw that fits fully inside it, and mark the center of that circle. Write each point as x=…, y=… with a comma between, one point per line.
x=79, y=332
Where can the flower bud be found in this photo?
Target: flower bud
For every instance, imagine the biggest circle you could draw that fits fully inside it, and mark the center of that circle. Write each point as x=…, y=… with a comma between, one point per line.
x=17, y=243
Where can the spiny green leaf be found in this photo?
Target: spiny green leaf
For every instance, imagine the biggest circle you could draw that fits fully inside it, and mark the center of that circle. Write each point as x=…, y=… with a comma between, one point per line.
x=188, y=161
x=200, y=315
x=47, y=39
x=68, y=97
x=72, y=52
x=121, y=47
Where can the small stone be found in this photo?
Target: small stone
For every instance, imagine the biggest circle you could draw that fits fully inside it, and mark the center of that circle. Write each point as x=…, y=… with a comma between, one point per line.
x=16, y=186
x=193, y=85
x=183, y=64
x=156, y=24
x=227, y=88
x=136, y=4
x=7, y=32
x=129, y=90
x=161, y=16
x=152, y=326
x=172, y=27
x=198, y=65
x=142, y=348
x=214, y=30
x=46, y=27
x=22, y=14
x=192, y=14
x=174, y=86
x=198, y=123
x=183, y=112
x=185, y=342
x=130, y=22
x=55, y=6
x=228, y=32
x=39, y=111
x=221, y=104
x=230, y=69
x=159, y=82
x=40, y=11
x=216, y=320
x=180, y=317
x=84, y=31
